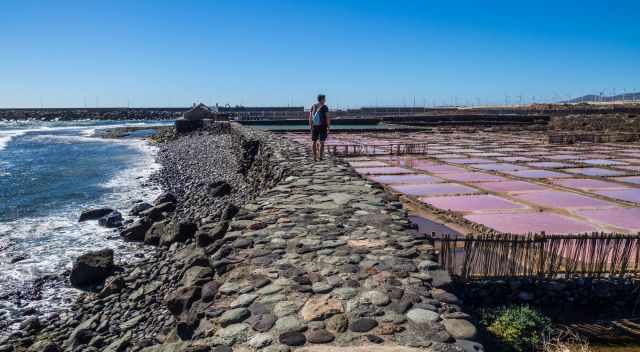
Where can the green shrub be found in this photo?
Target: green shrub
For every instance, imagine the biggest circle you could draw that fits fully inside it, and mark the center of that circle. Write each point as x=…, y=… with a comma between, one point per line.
x=520, y=327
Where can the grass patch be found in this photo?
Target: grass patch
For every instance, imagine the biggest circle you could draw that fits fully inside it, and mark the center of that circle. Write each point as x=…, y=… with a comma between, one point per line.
x=517, y=328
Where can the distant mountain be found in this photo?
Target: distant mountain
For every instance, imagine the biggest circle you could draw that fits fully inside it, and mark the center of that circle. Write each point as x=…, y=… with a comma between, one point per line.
x=593, y=98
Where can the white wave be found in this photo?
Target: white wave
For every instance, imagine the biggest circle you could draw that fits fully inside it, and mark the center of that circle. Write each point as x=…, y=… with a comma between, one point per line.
x=7, y=136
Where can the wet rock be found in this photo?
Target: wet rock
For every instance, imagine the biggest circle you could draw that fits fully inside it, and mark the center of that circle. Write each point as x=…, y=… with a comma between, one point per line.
x=208, y=235
x=153, y=235
x=112, y=285
x=363, y=325
x=180, y=301
x=140, y=207
x=263, y=322
x=196, y=276
x=111, y=220
x=92, y=268
x=166, y=197
x=159, y=211
x=319, y=336
x=136, y=231
x=292, y=338
x=179, y=232
x=94, y=214
x=460, y=329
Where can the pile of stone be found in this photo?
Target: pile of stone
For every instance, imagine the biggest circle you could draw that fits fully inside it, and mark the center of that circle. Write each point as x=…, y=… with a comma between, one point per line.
x=322, y=261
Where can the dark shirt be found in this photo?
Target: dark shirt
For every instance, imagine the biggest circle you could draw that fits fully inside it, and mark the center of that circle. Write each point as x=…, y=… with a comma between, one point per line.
x=323, y=114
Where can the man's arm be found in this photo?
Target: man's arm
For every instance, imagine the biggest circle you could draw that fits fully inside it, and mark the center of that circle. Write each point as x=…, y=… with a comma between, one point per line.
x=310, y=117
x=328, y=120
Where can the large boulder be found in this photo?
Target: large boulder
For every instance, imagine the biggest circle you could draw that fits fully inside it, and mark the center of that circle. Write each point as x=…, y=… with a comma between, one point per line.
x=180, y=232
x=180, y=301
x=219, y=189
x=136, y=231
x=94, y=214
x=229, y=212
x=139, y=208
x=166, y=197
x=159, y=211
x=111, y=220
x=152, y=236
x=211, y=233
x=92, y=268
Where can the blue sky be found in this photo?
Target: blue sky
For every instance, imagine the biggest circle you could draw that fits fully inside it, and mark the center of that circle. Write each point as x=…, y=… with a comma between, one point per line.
x=159, y=53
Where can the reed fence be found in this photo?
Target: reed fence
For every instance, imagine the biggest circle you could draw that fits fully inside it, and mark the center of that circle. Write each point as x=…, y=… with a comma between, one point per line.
x=540, y=256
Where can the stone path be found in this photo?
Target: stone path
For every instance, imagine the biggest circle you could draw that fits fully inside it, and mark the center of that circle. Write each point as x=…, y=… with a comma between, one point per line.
x=323, y=261
x=326, y=257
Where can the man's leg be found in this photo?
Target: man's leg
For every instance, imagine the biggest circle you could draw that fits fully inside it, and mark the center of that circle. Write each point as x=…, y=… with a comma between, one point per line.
x=315, y=149
x=321, y=149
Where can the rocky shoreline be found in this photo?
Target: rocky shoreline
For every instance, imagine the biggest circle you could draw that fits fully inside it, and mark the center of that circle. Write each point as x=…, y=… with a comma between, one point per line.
x=259, y=248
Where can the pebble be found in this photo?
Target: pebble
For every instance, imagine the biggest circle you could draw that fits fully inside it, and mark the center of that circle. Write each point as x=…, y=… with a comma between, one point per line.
x=363, y=325
x=422, y=316
x=292, y=338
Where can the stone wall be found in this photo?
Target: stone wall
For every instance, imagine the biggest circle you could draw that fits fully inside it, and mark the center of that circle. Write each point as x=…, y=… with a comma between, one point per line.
x=558, y=298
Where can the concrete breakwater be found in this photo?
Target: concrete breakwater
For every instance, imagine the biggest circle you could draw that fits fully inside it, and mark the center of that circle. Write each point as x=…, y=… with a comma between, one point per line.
x=265, y=250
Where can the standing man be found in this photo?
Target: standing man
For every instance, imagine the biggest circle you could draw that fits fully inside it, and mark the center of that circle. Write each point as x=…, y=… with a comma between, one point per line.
x=319, y=124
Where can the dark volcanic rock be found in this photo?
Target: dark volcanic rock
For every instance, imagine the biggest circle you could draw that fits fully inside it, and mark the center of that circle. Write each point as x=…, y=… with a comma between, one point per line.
x=180, y=232
x=152, y=236
x=157, y=212
x=363, y=325
x=94, y=214
x=111, y=220
x=210, y=234
x=166, y=197
x=136, y=231
x=139, y=208
x=92, y=268
x=292, y=338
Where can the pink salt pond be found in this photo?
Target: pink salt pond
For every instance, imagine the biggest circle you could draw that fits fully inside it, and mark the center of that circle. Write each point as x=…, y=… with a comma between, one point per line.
x=404, y=179
x=499, y=167
x=468, y=161
x=472, y=203
x=383, y=170
x=586, y=184
x=433, y=189
x=623, y=218
x=631, y=179
x=594, y=171
x=629, y=195
x=634, y=168
x=472, y=177
x=440, y=169
x=537, y=174
x=550, y=165
x=560, y=199
x=604, y=162
x=523, y=223
x=510, y=186
x=513, y=159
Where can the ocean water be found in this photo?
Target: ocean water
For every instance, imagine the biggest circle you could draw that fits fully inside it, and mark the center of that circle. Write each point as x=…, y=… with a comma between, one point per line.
x=49, y=173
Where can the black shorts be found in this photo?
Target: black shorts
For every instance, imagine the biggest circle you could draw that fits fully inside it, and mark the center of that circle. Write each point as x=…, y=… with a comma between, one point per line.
x=319, y=132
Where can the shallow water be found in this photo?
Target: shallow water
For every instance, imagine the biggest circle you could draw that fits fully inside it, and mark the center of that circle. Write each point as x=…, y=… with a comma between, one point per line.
x=49, y=172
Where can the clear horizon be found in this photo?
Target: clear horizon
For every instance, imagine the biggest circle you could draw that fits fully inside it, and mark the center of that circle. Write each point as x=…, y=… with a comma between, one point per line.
x=374, y=53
